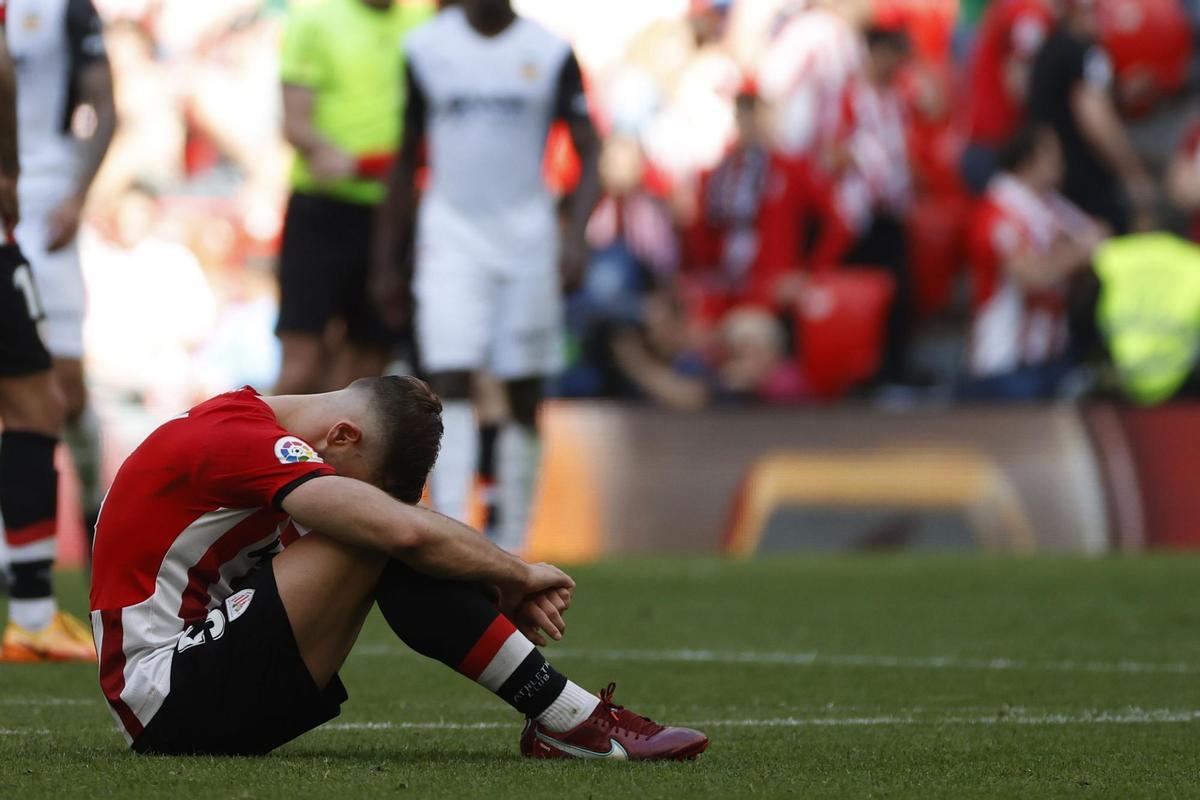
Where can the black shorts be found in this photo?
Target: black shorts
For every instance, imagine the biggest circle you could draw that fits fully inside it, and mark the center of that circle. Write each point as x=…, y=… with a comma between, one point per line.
x=323, y=267
x=21, y=349
x=244, y=692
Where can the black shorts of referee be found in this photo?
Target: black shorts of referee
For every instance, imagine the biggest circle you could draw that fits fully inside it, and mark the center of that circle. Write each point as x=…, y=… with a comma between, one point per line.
x=323, y=268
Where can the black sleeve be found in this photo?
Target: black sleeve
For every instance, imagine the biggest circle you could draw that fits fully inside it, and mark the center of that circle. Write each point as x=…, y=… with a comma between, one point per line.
x=291, y=486
x=570, y=100
x=416, y=107
x=85, y=40
x=85, y=33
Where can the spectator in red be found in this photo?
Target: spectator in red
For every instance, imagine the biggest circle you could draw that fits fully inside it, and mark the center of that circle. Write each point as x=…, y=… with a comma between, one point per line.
x=1071, y=90
x=746, y=236
x=1010, y=35
x=1027, y=243
x=1183, y=180
x=874, y=191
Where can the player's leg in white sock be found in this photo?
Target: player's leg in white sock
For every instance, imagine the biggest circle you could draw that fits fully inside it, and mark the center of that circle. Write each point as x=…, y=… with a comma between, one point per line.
x=519, y=456
x=470, y=636
x=454, y=474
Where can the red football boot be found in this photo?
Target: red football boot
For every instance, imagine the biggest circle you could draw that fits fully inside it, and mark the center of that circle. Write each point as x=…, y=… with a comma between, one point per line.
x=613, y=731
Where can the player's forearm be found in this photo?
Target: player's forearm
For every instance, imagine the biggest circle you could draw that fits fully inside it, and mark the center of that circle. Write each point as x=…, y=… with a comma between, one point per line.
x=298, y=127
x=587, y=195
x=585, y=198
x=98, y=93
x=445, y=548
x=10, y=163
x=358, y=514
x=393, y=218
x=1102, y=127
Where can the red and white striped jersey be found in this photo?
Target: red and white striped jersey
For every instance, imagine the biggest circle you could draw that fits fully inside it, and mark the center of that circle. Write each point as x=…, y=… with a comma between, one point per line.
x=1014, y=327
x=194, y=509
x=804, y=74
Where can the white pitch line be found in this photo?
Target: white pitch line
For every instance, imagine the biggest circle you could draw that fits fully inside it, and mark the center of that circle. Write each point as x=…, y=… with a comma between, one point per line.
x=808, y=659
x=23, y=732
x=1133, y=716
x=45, y=701
x=417, y=726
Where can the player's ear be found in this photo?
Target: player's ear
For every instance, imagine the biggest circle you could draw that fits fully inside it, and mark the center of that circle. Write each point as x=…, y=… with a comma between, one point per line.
x=344, y=433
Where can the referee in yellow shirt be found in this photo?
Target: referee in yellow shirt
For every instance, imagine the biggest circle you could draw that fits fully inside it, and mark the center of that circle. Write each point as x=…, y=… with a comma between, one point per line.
x=343, y=94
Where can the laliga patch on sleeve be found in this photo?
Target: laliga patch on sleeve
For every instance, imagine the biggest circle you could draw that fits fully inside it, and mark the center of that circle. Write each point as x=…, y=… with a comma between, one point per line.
x=237, y=603
x=290, y=450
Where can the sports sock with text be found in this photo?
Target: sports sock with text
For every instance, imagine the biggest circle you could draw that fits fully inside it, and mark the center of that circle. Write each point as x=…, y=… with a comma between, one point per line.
x=29, y=504
x=456, y=624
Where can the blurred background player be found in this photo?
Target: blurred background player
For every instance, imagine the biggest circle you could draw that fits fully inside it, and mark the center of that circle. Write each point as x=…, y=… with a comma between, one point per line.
x=1010, y=34
x=1027, y=245
x=1071, y=90
x=31, y=410
x=343, y=97
x=67, y=118
x=484, y=86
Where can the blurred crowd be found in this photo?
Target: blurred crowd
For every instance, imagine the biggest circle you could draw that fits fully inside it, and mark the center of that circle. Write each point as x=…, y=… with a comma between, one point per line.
x=803, y=201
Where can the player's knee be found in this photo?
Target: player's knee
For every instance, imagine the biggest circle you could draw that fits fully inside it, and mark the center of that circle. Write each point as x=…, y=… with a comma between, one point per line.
x=524, y=400
x=73, y=392
x=454, y=385
x=35, y=404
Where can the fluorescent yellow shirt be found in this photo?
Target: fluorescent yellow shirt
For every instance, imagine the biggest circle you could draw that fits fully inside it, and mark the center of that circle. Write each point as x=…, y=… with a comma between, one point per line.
x=352, y=57
x=1150, y=310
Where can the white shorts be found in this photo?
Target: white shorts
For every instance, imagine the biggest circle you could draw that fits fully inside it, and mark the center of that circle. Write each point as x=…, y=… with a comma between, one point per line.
x=506, y=319
x=59, y=280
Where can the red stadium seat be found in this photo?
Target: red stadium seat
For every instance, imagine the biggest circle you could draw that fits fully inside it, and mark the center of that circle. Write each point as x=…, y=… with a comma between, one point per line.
x=841, y=325
x=937, y=250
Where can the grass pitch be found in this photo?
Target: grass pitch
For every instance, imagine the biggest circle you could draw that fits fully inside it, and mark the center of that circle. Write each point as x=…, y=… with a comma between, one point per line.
x=895, y=676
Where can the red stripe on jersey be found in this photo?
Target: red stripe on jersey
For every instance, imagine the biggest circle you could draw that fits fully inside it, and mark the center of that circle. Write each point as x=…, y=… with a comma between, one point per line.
x=112, y=670
x=36, y=532
x=290, y=534
x=193, y=605
x=486, y=648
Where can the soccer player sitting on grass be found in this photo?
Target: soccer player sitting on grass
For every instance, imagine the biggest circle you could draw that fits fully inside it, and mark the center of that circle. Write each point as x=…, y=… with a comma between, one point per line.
x=243, y=544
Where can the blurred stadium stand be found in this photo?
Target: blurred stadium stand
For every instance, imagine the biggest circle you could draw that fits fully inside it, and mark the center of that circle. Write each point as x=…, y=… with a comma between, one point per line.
x=727, y=247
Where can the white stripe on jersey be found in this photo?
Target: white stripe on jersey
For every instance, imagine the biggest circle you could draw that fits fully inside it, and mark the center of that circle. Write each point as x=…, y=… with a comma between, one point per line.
x=151, y=628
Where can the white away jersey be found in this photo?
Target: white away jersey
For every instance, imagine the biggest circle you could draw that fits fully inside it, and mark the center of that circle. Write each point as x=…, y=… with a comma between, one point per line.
x=51, y=42
x=485, y=106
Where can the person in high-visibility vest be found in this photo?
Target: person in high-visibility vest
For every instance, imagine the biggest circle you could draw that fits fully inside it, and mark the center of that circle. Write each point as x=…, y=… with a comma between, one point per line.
x=1149, y=311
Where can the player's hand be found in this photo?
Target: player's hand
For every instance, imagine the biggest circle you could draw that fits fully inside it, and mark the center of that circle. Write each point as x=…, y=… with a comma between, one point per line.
x=63, y=223
x=545, y=578
x=391, y=294
x=10, y=209
x=572, y=263
x=329, y=164
x=541, y=615
x=536, y=579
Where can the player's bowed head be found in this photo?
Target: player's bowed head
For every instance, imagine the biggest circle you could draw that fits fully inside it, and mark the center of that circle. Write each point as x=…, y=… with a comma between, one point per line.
x=382, y=436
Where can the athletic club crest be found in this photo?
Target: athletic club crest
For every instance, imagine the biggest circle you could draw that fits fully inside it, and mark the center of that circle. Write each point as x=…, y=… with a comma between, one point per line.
x=290, y=450
x=237, y=604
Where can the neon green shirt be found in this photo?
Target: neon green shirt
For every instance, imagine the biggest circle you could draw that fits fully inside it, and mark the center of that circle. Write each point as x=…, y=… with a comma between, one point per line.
x=351, y=56
x=1150, y=311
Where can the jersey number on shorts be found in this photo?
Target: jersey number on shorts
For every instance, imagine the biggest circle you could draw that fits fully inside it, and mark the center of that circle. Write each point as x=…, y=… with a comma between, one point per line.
x=23, y=282
x=198, y=633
